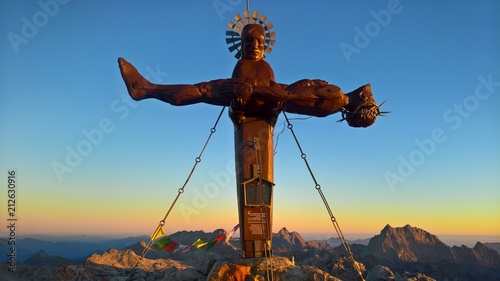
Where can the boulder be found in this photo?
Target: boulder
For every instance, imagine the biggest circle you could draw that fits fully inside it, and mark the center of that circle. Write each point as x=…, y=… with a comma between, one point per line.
x=256, y=270
x=381, y=273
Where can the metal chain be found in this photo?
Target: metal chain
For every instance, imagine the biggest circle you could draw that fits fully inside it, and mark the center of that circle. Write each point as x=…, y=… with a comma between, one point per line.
x=263, y=214
x=267, y=251
x=180, y=192
x=329, y=210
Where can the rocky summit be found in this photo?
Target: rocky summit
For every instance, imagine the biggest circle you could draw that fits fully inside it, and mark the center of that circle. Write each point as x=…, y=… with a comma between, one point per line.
x=412, y=249
x=397, y=253
x=409, y=244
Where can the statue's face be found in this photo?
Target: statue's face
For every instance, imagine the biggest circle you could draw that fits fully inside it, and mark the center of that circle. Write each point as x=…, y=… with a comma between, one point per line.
x=253, y=42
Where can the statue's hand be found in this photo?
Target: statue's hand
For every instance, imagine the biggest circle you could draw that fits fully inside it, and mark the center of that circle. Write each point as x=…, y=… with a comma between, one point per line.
x=237, y=89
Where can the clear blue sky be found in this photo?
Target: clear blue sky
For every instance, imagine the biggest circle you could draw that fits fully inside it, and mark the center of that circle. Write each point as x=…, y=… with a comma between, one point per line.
x=434, y=162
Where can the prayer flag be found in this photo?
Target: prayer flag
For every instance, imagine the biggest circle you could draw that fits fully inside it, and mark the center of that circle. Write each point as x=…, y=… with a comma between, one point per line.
x=199, y=243
x=187, y=248
x=170, y=247
x=196, y=244
x=231, y=232
x=210, y=244
x=158, y=232
x=166, y=244
x=162, y=242
x=214, y=242
x=181, y=247
x=220, y=237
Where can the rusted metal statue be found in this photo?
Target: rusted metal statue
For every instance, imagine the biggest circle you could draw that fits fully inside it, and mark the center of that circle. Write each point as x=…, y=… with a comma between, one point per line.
x=255, y=100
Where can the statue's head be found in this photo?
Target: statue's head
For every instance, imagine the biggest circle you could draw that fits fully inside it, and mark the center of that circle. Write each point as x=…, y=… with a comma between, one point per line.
x=253, y=40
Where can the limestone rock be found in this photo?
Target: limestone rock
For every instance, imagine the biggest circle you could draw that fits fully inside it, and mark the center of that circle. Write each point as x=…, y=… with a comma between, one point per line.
x=345, y=269
x=381, y=273
x=255, y=270
x=416, y=277
x=28, y=273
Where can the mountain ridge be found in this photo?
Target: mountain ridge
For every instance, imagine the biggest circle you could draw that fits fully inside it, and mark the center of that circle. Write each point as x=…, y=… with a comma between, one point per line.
x=394, y=252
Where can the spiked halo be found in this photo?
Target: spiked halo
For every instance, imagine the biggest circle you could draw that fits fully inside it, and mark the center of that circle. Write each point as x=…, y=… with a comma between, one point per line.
x=233, y=36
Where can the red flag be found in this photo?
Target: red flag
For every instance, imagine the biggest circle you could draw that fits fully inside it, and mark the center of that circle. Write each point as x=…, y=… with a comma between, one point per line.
x=219, y=238
x=166, y=244
x=170, y=247
x=214, y=242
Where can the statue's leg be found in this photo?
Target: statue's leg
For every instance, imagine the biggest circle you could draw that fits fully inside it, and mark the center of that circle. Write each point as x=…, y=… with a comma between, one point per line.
x=140, y=88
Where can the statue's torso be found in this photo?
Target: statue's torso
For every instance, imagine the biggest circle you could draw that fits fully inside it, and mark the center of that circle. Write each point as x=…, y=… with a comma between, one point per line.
x=258, y=72
x=255, y=73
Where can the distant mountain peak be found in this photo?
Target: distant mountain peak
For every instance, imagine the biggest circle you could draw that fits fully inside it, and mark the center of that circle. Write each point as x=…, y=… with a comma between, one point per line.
x=40, y=254
x=386, y=228
x=41, y=258
x=290, y=240
x=411, y=233
x=410, y=244
x=283, y=231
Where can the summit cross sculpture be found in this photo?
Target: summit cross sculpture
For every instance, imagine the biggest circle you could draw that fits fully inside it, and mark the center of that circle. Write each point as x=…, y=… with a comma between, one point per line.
x=255, y=100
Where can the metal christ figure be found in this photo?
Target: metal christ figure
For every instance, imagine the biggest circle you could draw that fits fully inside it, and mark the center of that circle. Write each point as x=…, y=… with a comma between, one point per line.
x=255, y=100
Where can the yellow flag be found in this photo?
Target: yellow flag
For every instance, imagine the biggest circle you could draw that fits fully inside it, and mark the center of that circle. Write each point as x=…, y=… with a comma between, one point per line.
x=158, y=232
x=199, y=243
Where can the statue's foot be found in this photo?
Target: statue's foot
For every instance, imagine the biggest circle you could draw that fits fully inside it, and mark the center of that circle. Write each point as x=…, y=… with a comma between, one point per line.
x=136, y=84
